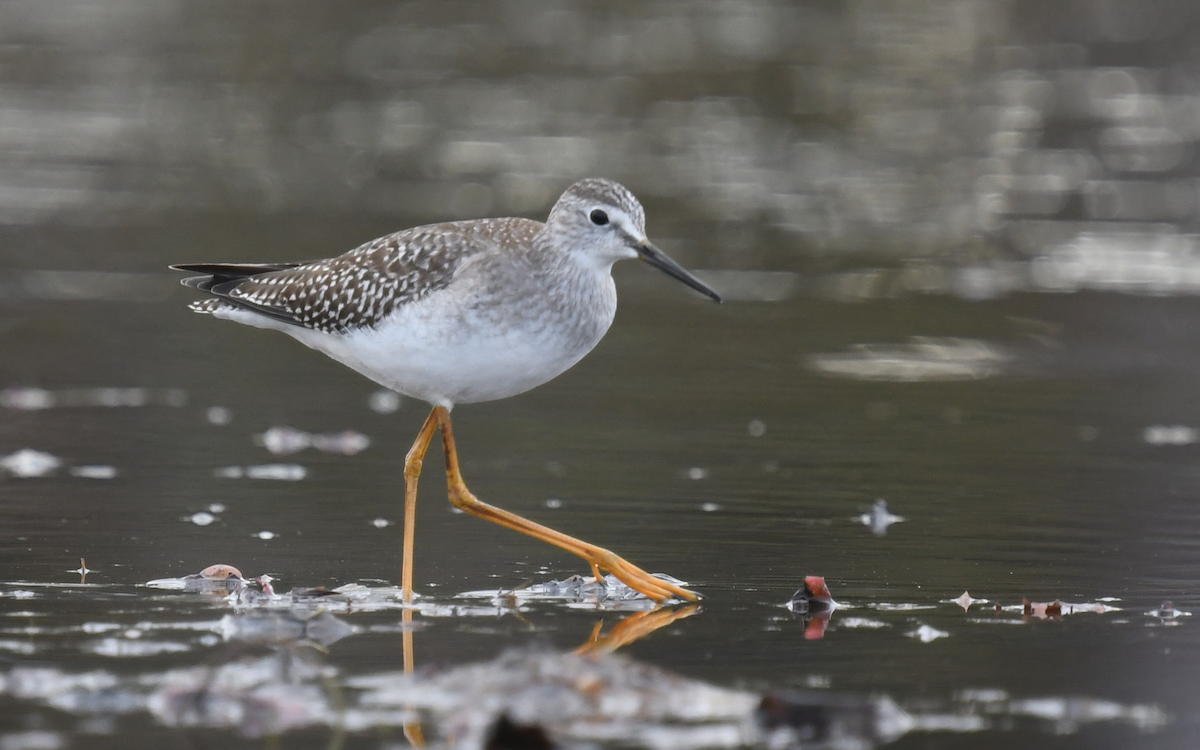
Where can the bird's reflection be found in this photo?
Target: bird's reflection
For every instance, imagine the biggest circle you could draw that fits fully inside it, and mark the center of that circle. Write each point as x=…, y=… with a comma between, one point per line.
x=412, y=729
x=630, y=628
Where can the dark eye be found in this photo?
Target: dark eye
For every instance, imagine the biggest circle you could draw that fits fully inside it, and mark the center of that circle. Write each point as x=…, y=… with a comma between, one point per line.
x=598, y=217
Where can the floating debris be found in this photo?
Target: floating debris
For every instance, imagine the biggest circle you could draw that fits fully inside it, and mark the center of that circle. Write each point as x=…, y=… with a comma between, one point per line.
x=697, y=473
x=861, y=622
x=965, y=601
x=899, y=606
x=609, y=592
x=123, y=647
x=27, y=463
x=1170, y=435
x=923, y=359
x=278, y=472
x=1167, y=611
x=710, y=507
x=384, y=401
x=591, y=697
x=878, y=519
x=215, y=579
x=813, y=605
x=93, y=472
x=265, y=535
x=813, y=596
x=381, y=523
x=757, y=428
x=1058, y=609
x=927, y=634
x=201, y=518
x=553, y=503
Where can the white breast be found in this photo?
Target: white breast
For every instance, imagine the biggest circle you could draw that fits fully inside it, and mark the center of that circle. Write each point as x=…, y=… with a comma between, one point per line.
x=475, y=342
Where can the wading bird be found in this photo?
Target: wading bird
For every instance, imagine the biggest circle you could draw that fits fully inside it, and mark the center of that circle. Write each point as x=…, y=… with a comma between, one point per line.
x=459, y=313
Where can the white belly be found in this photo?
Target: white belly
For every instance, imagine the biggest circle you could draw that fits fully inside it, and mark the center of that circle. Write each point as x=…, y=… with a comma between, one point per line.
x=444, y=352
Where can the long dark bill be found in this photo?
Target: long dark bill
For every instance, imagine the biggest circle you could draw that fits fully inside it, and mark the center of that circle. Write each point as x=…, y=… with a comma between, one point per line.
x=663, y=262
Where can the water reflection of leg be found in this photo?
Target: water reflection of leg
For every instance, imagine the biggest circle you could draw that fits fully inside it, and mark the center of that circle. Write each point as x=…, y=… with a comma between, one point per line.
x=412, y=729
x=635, y=626
x=597, y=557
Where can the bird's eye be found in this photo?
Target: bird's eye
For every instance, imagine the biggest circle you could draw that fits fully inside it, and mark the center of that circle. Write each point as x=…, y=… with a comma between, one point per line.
x=598, y=217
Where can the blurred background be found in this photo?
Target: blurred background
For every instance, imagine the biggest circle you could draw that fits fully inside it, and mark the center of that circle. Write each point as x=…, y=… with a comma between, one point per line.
x=965, y=146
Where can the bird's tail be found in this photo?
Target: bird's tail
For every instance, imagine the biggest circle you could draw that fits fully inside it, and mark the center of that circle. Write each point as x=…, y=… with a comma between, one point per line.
x=219, y=273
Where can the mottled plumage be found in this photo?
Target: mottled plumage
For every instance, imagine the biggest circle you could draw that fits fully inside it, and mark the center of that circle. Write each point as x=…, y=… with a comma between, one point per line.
x=362, y=287
x=458, y=312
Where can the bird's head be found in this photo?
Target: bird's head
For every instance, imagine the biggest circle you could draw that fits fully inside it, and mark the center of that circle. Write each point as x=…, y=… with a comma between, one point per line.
x=601, y=220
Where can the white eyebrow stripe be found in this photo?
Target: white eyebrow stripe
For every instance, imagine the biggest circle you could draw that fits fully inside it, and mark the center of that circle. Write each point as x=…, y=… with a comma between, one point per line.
x=622, y=220
x=618, y=218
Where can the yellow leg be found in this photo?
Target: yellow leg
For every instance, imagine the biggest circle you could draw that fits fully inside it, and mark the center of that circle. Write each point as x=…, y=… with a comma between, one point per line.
x=412, y=472
x=597, y=557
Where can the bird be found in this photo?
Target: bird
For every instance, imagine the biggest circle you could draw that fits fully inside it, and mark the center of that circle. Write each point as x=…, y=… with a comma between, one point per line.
x=457, y=313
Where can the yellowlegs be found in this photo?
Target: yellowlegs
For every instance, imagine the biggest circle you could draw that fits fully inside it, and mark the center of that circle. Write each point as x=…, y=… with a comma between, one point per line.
x=461, y=312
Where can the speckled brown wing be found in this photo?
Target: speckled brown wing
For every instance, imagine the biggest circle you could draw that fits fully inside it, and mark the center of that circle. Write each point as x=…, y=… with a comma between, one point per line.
x=362, y=287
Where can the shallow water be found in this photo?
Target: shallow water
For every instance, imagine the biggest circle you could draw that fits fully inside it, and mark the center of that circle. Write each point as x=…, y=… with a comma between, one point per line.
x=957, y=240
x=697, y=440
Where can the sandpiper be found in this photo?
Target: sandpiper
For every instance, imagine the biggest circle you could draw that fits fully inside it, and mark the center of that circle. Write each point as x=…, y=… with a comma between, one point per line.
x=459, y=313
